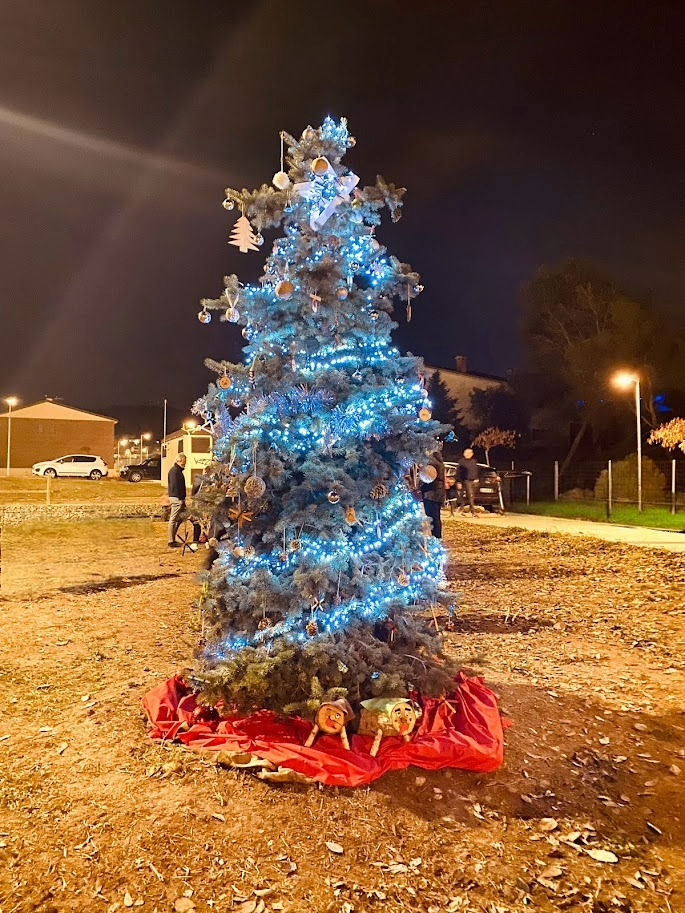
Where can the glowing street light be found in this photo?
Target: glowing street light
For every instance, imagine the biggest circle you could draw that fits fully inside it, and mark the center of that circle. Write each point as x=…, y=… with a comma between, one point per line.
x=11, y=402
x=624, y=380
x=146, y=436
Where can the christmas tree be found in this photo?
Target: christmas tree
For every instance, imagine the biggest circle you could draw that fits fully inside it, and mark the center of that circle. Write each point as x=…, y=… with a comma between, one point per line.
x=326, y=576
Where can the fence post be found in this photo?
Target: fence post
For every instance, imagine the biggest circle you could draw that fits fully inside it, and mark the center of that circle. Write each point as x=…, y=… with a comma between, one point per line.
x=528, y=489
x=47, y=489
x=610, y=489
x=556, y=480
x=673, y=494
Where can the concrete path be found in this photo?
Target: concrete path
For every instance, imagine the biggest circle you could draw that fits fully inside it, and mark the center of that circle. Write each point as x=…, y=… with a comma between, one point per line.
x=631, y=535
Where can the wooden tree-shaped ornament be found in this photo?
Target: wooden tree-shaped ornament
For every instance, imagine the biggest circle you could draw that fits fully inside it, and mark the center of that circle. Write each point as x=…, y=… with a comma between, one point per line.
x=242, y=236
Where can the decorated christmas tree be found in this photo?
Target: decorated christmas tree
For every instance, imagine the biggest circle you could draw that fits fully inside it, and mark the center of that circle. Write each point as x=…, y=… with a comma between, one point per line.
x=326, y=576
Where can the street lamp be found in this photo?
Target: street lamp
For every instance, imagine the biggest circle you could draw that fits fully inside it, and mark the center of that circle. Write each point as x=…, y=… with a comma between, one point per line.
x=144, y=437
x=624, y=380
x=11, y=402
x=122, y=442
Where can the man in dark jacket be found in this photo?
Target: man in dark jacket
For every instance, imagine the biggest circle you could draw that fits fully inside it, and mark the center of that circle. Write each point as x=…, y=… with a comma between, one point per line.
x=177, y=496
x=468, y=469
x=433, y=493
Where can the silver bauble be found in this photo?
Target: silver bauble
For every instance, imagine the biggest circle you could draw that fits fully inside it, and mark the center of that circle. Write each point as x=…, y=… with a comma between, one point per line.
x=280, y=180
x=204, y=316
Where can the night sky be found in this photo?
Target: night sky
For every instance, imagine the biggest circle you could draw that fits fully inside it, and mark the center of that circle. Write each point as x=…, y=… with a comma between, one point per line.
x=524, y=132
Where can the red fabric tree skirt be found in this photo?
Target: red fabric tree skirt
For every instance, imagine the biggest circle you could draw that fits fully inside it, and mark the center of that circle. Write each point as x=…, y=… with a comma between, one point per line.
x=463, y=730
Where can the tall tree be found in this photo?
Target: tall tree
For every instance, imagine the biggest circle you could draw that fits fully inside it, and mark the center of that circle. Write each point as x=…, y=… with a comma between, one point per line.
x=326, y=562
x=578, y=328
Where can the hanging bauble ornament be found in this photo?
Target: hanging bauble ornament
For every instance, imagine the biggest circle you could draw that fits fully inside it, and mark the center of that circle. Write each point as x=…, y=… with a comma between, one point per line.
x=341, y=293
x=232, y=315
x=357, y=203
x=350, y=516
x=259, y=239
x=357, y=375
x=228, y=204
x=355, y=266
x=379, y=491
x=295, y=545
x=418, y=289
x=239, y=551
x=285, y=288
x=425, y=414
x=333, y=496
x=204, y=316
x=320, y=166
x=351, y=141
x=225, y=382
x=428, y=474
x=264, y=623
x=374, y=315
x=245, y=333
x=212, y=542
x=283, y=557
x=312, y=628
x=280, y=180
x=403, y=578
x=254, y=487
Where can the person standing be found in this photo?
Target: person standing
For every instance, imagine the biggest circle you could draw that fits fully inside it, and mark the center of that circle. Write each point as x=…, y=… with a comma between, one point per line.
x=177, y=496
x=468, y=468
x=433, y=493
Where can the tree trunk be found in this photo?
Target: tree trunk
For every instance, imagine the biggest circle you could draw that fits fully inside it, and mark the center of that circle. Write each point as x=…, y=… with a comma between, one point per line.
x=487, y=455
x=572, y=449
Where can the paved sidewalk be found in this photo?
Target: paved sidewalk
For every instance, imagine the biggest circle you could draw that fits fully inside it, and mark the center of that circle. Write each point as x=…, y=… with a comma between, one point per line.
x=631, y=535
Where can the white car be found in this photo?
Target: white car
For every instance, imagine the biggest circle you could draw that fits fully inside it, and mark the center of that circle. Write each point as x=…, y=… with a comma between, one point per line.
x=76, y=465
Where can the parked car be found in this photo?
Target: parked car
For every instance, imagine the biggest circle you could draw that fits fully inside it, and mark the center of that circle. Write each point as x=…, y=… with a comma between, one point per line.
x=148, y=469
x=76, y=465
x=488, y=489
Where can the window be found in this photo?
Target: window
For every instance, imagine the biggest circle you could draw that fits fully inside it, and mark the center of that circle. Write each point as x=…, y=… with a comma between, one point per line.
x=83, y=459
x=67, y=459
x=180, y=446
x=200, y=444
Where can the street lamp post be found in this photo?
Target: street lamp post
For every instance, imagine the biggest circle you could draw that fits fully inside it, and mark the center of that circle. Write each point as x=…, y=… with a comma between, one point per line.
x=624, y=380
x=11, y=402
x=145, y=436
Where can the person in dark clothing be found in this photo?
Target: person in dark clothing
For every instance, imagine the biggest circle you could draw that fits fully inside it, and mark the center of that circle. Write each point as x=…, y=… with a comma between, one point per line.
x=177, y=496
x=468, y=469
x=433, y=493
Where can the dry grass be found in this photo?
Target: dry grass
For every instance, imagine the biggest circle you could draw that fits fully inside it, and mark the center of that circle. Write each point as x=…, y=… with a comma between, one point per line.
x=106, y=491
x=583, y=640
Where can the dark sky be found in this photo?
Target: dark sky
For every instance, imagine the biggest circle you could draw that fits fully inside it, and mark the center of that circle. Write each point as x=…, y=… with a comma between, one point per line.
x=524, y=132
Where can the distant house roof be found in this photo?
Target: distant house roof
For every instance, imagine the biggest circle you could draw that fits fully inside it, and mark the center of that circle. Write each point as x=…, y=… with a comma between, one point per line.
x=182, y=432
x=49, y=410
x=469, y=374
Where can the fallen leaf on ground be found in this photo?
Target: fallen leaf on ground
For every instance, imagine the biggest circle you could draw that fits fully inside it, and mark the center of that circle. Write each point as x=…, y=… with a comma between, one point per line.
x=334, y=847
x=602, y=855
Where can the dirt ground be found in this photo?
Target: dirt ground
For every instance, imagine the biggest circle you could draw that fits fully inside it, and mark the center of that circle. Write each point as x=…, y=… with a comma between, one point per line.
x=583, y=640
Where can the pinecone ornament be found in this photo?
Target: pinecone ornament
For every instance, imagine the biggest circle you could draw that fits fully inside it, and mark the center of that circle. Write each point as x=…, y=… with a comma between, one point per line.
x=312, y=628
x=264, y=624
x=379, y=491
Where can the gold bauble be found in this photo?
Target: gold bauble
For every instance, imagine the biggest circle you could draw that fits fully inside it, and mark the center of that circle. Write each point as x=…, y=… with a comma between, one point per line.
x=342, y=292
x=320, y=166
x=285, y=288
x=225, y=382
x=333, y=497
x=425, y=414
x=254, y=487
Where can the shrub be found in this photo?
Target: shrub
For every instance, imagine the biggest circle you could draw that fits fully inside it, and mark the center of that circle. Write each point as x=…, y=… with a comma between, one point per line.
x=624, y=481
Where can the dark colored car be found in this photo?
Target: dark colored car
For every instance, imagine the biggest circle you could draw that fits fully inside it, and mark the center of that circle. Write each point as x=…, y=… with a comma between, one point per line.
x=149, y=469
x=488, y=489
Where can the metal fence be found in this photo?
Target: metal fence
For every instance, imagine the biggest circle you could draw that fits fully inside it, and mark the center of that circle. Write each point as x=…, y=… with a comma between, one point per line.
x=611, y=484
